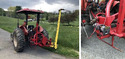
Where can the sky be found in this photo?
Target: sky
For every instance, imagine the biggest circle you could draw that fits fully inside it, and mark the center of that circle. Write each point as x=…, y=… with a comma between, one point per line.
x=45, y=5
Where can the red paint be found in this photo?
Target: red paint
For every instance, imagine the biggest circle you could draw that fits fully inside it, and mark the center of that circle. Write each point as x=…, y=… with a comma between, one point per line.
x=29, y=10
x=84, y=4
x=83, y=21
x=119, y=29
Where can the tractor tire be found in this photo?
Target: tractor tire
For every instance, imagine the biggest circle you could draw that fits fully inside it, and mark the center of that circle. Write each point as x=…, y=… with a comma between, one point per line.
x=45, y=33
x=18, y=40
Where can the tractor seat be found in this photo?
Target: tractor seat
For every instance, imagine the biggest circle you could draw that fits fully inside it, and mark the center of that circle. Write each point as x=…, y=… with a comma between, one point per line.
x=30, y=27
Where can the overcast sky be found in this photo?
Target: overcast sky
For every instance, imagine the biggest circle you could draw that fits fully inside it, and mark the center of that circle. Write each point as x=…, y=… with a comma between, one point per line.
x=45, y=5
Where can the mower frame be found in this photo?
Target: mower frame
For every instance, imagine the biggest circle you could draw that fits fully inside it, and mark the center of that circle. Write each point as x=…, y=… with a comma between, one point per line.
x=118, y=30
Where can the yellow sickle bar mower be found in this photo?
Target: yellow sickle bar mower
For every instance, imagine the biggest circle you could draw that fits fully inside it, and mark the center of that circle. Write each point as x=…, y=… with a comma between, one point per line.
x=57, y=31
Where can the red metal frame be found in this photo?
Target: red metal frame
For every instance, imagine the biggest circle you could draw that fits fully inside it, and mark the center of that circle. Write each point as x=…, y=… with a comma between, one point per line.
x=83, y=4
x=116, y=31
x=34, y=39
x=119, y=30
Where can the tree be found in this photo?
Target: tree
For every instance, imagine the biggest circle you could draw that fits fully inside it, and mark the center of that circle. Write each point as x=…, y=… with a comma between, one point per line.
x=11, y=11
x=44, y=16
x=2, y=12
x=47, y=16
x=17, y=8
x=76, y=13
x=52, y=17
x=69, y=17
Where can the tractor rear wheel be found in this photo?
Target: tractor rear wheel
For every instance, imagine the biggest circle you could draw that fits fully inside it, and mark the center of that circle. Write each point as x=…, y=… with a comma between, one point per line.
x=18, y=40
x=45, y=33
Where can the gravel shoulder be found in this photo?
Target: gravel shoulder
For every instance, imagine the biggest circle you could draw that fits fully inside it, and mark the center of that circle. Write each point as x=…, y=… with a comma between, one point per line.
x=94, y=48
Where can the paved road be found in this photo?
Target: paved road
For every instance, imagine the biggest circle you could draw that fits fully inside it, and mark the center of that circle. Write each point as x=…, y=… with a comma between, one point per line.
x=7, y=51
x=94, y=48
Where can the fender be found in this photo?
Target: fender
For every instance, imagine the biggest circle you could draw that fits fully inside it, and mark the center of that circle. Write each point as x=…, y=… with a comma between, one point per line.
x=40, y=28
x=23, y=28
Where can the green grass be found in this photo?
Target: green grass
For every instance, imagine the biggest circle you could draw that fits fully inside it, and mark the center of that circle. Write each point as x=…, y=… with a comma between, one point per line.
x=68, y=41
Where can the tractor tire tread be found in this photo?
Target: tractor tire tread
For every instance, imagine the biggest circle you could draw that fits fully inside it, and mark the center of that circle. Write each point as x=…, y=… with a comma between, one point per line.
x=19, y=36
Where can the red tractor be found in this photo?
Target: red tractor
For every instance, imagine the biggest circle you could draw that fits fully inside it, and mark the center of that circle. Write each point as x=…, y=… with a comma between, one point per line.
x=29, y=35
x=109, y=21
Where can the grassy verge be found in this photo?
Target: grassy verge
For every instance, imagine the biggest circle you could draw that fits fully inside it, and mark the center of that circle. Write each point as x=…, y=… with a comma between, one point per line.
x=68, y=41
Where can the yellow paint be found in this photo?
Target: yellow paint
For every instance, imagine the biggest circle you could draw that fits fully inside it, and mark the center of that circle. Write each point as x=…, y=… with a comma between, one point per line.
x=52, y=45
x=57, y=31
